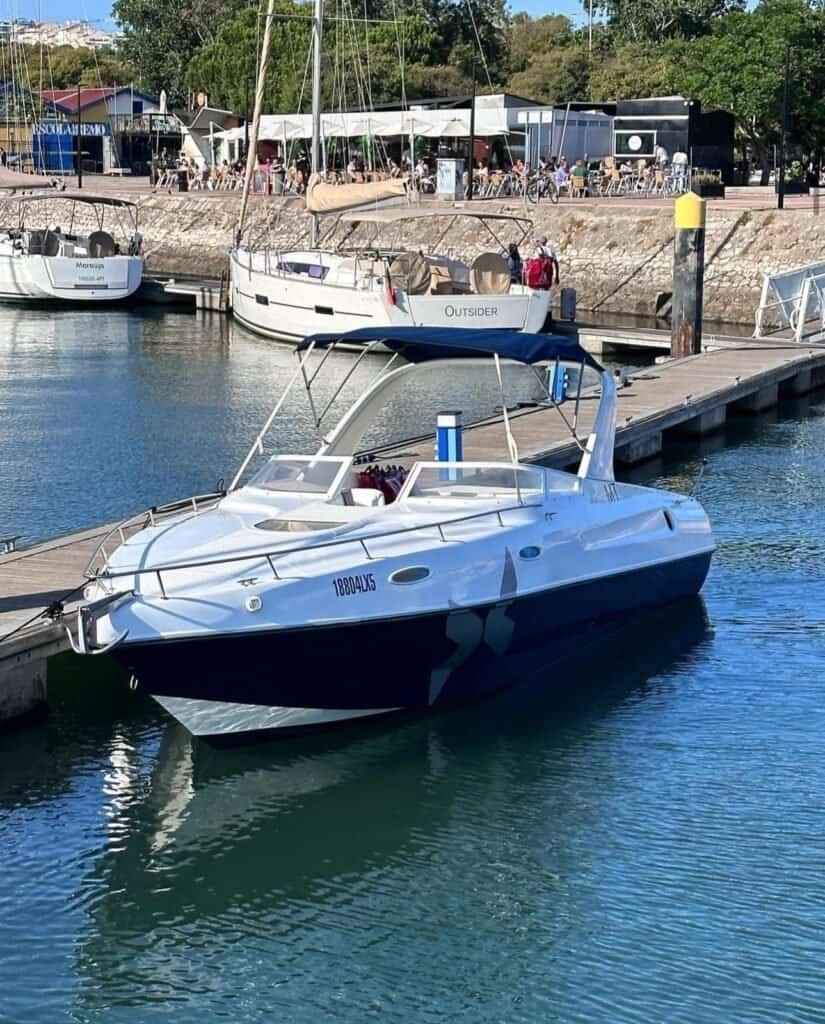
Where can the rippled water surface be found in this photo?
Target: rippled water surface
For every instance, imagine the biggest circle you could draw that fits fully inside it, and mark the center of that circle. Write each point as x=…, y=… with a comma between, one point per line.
x=634, y=834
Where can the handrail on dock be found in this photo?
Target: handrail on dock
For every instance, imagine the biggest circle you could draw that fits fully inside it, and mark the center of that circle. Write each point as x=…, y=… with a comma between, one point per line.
x=798, y=299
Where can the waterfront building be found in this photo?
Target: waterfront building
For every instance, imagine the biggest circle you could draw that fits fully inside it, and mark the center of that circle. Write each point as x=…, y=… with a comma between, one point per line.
x=121, y=128
x=632, y=129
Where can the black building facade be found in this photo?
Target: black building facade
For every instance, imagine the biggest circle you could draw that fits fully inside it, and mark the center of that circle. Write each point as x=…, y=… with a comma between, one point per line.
x=677, y=124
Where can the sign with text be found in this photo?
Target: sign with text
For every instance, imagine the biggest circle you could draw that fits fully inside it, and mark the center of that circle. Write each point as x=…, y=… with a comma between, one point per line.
x=93, y=128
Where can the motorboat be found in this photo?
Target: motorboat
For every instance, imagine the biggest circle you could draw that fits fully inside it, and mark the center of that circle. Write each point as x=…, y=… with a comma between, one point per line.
x=314, y=591
x=71, y=264
x=288, y=293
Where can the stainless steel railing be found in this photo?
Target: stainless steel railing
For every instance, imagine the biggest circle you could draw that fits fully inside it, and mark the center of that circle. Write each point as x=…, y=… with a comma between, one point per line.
x=149, y=517
x=269, y=555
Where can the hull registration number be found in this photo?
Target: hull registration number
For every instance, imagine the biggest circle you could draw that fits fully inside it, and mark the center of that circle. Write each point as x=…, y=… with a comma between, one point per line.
x=347, y=586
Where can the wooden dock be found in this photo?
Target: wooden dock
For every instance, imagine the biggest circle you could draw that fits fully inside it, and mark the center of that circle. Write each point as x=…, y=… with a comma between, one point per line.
x=691, y=396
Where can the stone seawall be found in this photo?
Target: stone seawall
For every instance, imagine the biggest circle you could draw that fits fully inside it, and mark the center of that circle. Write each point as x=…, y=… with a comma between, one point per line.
x=617, y=256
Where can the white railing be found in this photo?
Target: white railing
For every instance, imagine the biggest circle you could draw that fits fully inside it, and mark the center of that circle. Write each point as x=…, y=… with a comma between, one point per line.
x=150, y=517
x=794, y=300
x=270, y=555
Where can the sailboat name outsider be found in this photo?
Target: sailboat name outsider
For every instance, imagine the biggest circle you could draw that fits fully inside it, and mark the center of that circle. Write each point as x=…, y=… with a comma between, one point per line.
x=471, y=311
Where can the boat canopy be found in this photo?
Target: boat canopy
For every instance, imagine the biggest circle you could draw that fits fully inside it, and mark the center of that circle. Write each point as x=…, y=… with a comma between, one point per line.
x=418, y=344
x=75, y=197
x=394, y=214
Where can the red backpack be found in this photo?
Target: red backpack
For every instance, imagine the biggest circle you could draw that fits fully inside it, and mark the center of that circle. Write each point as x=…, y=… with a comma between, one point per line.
x=538, y=273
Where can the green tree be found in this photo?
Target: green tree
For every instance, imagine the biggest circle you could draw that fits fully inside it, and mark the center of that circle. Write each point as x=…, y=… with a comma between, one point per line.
x=530, y=36
x=639, y=20
x=633, y=69
x=160, y=38
x=556, y=75
x=739, y=67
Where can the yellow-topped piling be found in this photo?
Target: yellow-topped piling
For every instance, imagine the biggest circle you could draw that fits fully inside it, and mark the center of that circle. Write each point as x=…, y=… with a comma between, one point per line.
x=689, y=212
x=688, y=275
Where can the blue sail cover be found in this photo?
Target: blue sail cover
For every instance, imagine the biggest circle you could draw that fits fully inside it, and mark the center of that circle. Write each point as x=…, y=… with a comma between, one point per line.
x=419, y=344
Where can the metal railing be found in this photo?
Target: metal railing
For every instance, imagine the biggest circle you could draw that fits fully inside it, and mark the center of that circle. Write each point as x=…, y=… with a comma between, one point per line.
x=791, y=299
x=269, y=555
x=149, y=517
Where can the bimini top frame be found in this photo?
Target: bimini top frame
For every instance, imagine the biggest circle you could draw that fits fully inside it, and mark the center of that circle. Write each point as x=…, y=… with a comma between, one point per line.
x=97, y=201
x=424, y=344
x=378, y=216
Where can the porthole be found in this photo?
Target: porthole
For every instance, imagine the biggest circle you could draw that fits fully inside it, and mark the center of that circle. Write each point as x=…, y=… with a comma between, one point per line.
x=531, y=551
x=413, y=574
x=671, y=525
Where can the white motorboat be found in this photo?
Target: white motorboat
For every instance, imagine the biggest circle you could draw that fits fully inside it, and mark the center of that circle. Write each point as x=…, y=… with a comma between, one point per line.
x=290, y=293
x=315, y=593
x=70, y=265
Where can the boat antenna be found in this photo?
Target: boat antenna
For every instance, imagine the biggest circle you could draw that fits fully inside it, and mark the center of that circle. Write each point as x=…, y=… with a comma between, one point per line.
x=317, y=38
x=252, y=152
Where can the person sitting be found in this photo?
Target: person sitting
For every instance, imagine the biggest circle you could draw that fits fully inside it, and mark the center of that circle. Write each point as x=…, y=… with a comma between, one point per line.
x=579, y=177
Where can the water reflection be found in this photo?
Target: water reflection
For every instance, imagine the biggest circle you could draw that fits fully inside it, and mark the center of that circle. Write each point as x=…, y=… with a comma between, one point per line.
x=105, y=415
x=270, y=839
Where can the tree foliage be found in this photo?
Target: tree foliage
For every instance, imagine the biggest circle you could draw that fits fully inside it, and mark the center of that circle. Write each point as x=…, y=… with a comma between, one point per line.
x=740, y=67
x=161, y=37
x=64, y=67
x=720, y=52
x=640, y=20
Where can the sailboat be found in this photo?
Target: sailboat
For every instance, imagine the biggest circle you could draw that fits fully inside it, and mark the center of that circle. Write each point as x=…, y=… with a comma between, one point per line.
x=289, y=294
x=56, y=264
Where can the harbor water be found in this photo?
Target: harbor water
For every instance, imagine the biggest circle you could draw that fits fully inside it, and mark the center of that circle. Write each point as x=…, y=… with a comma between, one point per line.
x=632, y=834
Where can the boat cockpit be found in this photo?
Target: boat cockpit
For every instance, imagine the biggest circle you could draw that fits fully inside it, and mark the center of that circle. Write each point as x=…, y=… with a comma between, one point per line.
x=297, y=494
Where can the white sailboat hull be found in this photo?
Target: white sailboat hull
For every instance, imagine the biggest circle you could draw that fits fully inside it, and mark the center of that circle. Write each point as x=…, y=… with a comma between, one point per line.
x=68, y=278
x=290, y=306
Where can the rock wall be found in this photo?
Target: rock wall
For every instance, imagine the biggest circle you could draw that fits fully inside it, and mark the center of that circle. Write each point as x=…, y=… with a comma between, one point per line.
x=616, y=256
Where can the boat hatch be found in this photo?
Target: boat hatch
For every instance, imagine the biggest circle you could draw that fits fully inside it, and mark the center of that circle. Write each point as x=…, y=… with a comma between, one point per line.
x=295, y=525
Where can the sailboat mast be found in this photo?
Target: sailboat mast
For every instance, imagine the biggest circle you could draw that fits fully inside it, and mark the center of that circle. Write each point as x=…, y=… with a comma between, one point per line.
x=317, y=38
x=252, y=149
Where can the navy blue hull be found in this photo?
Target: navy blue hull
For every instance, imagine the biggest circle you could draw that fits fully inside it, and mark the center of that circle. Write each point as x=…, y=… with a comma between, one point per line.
x=411, y=662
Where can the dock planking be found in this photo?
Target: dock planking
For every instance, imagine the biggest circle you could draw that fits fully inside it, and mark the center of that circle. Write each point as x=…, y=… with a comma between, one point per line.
x=690, y=395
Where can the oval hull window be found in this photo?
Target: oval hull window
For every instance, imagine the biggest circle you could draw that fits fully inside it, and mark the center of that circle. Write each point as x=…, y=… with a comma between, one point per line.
x=531, y=551
x=413, y=574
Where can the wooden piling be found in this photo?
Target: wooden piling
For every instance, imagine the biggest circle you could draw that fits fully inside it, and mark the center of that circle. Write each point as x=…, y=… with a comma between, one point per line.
x=688, y=275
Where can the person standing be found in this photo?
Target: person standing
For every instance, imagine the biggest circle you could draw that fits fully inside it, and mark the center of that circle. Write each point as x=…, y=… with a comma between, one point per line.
x=514, y=263
x=680, y=161
x=546, y=251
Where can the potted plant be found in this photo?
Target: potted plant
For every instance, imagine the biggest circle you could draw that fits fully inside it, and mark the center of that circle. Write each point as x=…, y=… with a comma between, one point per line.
x=707, y=184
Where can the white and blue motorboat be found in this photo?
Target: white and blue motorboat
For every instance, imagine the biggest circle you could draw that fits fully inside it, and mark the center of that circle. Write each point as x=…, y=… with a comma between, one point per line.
x=307, y=595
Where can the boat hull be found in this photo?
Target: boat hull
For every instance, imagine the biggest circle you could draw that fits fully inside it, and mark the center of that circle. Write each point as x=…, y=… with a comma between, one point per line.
x=290, y=307
x=359, y=668
x=68, y=279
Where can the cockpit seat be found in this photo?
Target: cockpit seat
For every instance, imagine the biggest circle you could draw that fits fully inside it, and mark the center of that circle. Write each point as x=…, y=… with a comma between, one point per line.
x=367, y=497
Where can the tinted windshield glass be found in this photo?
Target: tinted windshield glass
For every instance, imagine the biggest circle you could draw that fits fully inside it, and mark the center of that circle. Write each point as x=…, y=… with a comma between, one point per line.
x=298, y=476
x=454, y=480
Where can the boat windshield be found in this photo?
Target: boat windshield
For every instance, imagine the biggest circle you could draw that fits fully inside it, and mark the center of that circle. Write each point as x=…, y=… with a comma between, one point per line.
x=296, y=474
x=473, y=481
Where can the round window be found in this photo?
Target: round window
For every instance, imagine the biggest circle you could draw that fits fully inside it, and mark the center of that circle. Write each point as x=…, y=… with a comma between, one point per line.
x=634, y=143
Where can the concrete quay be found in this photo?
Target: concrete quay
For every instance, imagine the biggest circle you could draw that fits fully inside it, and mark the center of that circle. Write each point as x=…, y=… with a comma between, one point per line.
x=616, y=253
x=685, y=397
